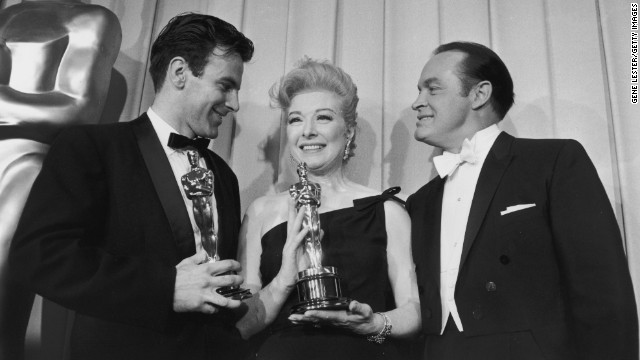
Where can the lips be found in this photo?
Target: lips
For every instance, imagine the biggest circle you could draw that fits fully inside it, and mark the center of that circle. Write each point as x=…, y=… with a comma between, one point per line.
x=420, y=117
x=428, y=120
x=311, y=147
x=218, y=118
x=219, y=114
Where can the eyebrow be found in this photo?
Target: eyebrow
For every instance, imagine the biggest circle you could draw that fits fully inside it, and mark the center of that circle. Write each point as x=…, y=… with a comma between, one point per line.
x=428, y=82
x=315, y=112
x=230, y=80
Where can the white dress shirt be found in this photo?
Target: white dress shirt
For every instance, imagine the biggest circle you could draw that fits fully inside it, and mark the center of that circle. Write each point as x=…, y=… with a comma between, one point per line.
x=180, y=166
x=459, y=188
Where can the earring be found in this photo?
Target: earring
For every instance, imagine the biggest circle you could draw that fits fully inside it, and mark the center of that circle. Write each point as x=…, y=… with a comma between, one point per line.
x=347, y=149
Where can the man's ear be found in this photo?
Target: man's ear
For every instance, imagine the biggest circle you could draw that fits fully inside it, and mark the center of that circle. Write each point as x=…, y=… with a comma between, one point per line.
x=177, y=72
x=481, y=93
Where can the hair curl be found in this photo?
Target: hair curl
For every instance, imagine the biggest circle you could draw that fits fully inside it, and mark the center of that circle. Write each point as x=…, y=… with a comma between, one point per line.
x=310, y=75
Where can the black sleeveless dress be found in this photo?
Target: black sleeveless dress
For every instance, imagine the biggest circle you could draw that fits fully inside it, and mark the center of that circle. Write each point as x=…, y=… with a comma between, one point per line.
x=355, y=242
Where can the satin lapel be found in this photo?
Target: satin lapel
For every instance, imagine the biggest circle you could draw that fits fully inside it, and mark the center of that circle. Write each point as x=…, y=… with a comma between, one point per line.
x=492, y=171
x=165, y=185
x=226, y=209
x=433, y=220
x=435, y=201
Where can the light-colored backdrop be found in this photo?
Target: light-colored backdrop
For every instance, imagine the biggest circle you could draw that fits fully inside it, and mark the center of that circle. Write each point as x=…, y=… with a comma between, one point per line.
x=570, y=60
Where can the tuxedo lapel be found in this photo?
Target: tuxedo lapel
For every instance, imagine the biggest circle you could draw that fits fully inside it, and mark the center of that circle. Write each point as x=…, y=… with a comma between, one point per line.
x=425, y=209
x=494, y=166
x=165, y=185
x=432, y=228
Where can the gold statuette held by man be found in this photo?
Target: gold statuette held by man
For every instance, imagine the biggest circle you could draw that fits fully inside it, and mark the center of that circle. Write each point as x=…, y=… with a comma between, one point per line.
x=318, y=286
x=198, y=187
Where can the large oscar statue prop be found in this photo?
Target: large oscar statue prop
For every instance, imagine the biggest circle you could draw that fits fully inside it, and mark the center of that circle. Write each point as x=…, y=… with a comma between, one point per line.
x=318, y=286
x=198, y=186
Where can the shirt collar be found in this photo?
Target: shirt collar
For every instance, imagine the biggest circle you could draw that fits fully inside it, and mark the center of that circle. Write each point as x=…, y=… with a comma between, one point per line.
x=163, y=129
x=483, y=140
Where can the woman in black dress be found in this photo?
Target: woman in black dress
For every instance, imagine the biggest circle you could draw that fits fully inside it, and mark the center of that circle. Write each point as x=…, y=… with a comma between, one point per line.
x=366, y=237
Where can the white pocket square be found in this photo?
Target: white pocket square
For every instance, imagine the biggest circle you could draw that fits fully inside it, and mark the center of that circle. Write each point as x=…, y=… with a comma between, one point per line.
x=514, y=208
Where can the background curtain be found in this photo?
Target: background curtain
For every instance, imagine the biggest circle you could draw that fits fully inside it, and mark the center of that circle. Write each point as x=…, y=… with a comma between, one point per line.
x=570, y=61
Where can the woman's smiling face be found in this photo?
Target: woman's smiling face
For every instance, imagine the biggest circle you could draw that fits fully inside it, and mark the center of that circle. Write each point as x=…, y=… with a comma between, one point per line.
x=316, y=131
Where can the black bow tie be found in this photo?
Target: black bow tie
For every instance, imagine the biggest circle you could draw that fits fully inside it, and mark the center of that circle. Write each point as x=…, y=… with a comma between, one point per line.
x=177, y=141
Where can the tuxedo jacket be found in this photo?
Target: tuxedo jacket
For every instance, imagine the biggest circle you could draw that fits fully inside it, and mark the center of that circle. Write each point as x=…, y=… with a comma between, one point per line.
x=101, y=233
x=557, y=269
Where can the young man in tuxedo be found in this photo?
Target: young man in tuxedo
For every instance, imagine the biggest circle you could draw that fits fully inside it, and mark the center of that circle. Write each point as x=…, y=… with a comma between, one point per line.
x=518, y=254
x=108, y=231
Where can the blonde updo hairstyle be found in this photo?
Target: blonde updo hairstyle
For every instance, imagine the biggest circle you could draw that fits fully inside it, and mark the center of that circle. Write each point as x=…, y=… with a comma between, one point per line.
x=314, y=75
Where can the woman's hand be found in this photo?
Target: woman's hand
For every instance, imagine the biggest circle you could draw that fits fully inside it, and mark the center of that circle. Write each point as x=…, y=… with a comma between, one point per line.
x=359, y=318
x=293, y=257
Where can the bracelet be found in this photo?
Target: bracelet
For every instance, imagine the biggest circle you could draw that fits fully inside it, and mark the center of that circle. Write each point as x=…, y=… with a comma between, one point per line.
x=380, y=337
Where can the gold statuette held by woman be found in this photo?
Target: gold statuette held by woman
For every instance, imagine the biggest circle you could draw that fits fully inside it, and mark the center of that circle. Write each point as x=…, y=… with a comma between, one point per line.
x=318, y=286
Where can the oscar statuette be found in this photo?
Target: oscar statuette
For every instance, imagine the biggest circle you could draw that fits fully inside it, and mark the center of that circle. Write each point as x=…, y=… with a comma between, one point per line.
x=318, y=286
x=198, y=187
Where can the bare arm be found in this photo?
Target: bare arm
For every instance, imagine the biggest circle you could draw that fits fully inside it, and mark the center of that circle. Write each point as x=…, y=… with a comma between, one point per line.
x=405, y=319
x=264, y=306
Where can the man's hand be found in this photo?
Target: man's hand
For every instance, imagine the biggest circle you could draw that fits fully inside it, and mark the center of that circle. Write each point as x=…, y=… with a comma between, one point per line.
x=196, y=284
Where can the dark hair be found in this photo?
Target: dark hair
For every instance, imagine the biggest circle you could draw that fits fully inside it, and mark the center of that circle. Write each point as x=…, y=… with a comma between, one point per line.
x=194, y=37
x=481, y=64
x=310, y=74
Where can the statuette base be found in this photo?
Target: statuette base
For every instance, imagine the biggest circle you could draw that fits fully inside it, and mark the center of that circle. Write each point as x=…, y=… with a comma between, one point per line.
x=233, y=292
x=319, y=289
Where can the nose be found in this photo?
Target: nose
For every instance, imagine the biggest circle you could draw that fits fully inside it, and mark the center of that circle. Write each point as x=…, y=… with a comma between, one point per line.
x=421, y=101
x=309, y=129
x=232, y=102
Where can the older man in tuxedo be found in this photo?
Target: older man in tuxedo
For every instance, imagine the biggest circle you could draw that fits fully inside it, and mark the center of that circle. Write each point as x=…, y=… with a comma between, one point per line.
x=108, y=230
x=518, y=254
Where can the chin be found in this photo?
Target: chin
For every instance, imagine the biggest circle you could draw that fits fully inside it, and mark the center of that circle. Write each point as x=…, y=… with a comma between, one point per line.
x=418, y=135
x=323, y=166
x=318, y=160
x=211, y=134
x=310, y=163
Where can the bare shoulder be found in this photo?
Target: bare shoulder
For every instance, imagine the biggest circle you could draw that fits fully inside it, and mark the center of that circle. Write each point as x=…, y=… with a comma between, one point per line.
x=395, y=206
x=397, y=222
x=263, y=203
x=395, y=211
x=268, y=211
x=358, y=191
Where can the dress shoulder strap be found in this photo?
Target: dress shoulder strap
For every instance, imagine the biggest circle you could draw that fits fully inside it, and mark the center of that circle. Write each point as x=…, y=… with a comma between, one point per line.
x=389, y=194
